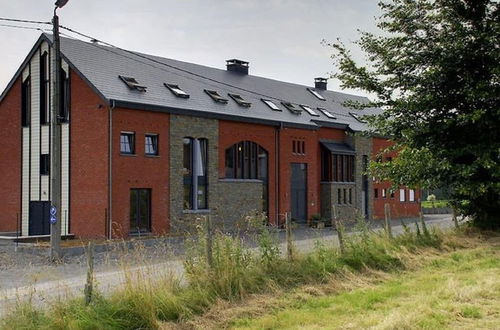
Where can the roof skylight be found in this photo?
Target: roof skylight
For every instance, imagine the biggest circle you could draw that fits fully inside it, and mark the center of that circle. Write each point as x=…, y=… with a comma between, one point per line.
x=132, y=83
x=292, y=107
x=177, y=91
x=271, y=105
x=240, y=100
x=309, y=110
x=315, y=93
x=357, y=117
x=327, y=113
x=216, y=96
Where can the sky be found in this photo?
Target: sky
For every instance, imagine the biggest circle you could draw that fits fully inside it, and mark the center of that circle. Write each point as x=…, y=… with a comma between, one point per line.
x=280, y=38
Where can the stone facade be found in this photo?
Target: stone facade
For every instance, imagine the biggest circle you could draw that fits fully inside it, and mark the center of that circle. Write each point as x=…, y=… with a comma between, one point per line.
x=228, y=200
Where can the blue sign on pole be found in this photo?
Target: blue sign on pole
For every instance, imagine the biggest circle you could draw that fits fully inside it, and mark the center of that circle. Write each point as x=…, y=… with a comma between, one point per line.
x=53, y=214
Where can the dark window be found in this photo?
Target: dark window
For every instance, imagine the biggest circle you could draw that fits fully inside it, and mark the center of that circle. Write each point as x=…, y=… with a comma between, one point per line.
x=195, y=160
x=44, y=164
x=151, y=146
x=309, y=110
x=140, y=211
x=392, y=193
x=336, y=167
x=326, y=168
x=246, y=160
x=271, y=105
x=127, y=143
x=44, y=89
x=133, y=84
x=375, y=193
x=26, y=102
x=216, y=96
x=315, y=93
x=345, y=196
x=298, y=147
x=350, y=196
x=388, y=159
x=64, y=98
x=238, y=99
x=384, y=193
x=339, y=196
x=327, y=113
x=177, y=91
x=292, y=107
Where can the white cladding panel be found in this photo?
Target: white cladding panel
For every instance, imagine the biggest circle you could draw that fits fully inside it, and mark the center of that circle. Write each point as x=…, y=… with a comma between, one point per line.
x=64, y=177
x=35, y=127
x=25, y=178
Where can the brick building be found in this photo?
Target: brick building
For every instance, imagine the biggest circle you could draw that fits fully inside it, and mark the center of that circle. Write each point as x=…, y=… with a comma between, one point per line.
x=149, y=144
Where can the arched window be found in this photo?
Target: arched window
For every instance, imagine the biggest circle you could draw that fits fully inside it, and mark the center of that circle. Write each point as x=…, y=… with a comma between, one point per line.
x=195, y=170
x=246, y=160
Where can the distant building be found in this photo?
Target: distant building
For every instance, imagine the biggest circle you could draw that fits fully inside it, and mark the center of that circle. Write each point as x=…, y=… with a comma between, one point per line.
x=149, y=144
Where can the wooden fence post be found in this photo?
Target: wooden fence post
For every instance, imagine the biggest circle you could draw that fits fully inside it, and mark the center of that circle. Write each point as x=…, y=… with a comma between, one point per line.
x=209, y=238
x=455, y=220
x=388, y=220
x=89, y=286
x=339, y=228
x=289, y=241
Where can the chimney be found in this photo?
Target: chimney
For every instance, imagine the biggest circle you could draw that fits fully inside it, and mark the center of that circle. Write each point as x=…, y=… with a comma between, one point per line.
x=235, y=65
x=320, y=83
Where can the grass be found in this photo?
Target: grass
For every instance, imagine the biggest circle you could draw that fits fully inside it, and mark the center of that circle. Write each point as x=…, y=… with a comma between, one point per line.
x=435, y=204
x=237, y=275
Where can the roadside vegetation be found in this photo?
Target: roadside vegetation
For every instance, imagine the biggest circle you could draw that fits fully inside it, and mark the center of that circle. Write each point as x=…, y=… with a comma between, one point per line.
x=235, y=275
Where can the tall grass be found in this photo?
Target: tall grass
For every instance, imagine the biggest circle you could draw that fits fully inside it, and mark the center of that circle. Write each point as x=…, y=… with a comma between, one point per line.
x=236, y=272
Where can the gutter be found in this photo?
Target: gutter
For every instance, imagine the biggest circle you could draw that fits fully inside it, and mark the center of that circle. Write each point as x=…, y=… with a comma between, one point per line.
x=110, y=169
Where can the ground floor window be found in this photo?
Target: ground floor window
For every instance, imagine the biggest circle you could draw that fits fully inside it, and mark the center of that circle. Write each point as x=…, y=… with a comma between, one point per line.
x=140, y=210
x=195, y=178
x=337, y=167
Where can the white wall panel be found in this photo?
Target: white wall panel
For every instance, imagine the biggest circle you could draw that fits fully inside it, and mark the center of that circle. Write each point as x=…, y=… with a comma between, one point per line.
x=25, y=185
x=35, y=127
x=64, y=177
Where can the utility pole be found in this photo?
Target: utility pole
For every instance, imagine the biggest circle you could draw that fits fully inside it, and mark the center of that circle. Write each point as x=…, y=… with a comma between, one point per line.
x=55, y=210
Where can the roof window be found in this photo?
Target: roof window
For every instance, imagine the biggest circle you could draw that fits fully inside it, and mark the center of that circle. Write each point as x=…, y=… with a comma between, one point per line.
x=357, y=117
x=133, y=84
x=177, y=91
x=309, y=110
x=216, y=96
x=292, y=107
x=327, y=113
x=271, y=105
x=240, y=100
x=315, y=93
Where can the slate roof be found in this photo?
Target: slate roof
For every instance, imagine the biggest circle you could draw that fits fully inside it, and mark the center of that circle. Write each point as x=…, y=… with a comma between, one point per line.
x=338, y=147
x=101, y=67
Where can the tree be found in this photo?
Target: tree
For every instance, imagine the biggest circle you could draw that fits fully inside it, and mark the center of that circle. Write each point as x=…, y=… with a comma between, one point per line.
x=435, y=70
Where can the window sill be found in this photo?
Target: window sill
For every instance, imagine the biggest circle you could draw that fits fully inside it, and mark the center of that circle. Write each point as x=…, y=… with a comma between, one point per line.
x=204, y=211
x=140, y=234
x=152, y=156
x=128, y=155
x=241, y=180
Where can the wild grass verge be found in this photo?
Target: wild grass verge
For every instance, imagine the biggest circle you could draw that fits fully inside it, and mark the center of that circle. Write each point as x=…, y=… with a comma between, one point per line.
x=233, y=273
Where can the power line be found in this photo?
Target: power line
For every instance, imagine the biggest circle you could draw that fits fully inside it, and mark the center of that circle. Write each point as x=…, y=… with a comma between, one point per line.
x=23, y=21
x=24, y=27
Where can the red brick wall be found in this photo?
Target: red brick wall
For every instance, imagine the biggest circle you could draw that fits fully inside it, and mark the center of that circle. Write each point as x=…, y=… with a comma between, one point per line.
x=88, y=161
x=10, y=159
x=140, y=171
x=398, y=209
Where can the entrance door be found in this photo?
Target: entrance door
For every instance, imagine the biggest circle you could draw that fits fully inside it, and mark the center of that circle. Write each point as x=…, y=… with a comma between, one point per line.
x=299, y=192
x=140, y=210
x=39, y=218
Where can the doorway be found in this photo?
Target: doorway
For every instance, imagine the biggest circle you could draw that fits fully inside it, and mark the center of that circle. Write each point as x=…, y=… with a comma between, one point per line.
x=299, y=192
x=39, y=218
x=140, y=211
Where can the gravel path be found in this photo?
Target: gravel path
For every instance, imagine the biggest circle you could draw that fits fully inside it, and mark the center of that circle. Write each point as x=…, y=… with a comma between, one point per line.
x=25, y=276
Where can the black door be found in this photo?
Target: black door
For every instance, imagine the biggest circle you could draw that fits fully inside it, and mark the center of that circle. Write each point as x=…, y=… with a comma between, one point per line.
x=299, y=192
x=39, y=218
x=140, y=210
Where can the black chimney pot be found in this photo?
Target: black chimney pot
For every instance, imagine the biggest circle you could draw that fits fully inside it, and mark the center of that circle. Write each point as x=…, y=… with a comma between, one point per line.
x=320, y=83
x=236, y=65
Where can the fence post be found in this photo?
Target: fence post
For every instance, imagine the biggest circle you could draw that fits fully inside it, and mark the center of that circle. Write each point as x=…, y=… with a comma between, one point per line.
x=455, y=220
x=89, y=286
x=289, y=241
x=209, y=238
x=339, y=228
x=388, y=220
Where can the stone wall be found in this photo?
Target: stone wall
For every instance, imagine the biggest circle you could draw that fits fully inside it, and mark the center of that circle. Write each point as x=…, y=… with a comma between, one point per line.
x=228, y=200
x=330, y=195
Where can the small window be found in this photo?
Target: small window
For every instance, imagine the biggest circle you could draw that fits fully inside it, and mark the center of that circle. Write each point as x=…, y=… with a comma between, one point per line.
x=44, y=164
x=375, y=193
x=44, y=89
x=151, y=147
x=309, y=110
x=127, y=143
x=388, y=159
x=216, y=96
x=350, y=196
x=292, y=107
x=318, y=95
x=271, y=105
x=327, y=113
x=392, y=193
x=298, y=147
x=402, y=195
x=357, y=117
x=26, y=102
x=412, y=195
x=133, y=84
x=238, y=99
x=339, y=196
x=177, y=91
x=384, y=193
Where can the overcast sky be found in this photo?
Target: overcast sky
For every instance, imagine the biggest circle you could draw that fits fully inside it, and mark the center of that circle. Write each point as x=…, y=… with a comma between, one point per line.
x=280, y=38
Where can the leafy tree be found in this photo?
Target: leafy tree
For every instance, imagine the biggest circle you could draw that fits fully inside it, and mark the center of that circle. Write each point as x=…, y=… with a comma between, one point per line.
x=435, y=70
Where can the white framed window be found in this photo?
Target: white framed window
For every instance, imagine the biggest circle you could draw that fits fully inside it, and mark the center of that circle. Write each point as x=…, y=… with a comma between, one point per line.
x=402, y=195
x=412, y=195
